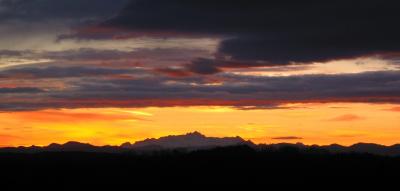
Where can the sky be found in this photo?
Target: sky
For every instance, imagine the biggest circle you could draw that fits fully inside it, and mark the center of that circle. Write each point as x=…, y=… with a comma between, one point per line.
x=112, y=71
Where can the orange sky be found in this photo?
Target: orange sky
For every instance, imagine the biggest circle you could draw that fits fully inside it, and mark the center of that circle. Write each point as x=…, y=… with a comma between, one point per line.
x=118, y=71
x=343, y=123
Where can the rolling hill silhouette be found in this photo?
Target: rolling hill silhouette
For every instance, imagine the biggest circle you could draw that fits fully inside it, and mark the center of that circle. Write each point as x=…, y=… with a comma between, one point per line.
x=197, y=141
x=196, y=159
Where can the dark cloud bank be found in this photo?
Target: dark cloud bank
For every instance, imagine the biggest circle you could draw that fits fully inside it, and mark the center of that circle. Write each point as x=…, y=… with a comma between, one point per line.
x=44, y=10
x=279, y=32
x=373, y=87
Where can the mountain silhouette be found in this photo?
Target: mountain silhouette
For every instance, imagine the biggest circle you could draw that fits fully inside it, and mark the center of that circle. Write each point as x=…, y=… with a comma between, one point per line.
x=193, y=140
x=197, y=141
x=71, y=146
x=192, y=157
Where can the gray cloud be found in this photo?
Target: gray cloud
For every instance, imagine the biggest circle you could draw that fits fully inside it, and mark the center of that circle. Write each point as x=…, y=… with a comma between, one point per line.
x=60, y=72
x=372, y=87
x=11, y=53
x=155, y=57
x=40, y=10
x=203, y=66
x=20, y=90
x=276, y=32
x=378, y=86
x=159, y=54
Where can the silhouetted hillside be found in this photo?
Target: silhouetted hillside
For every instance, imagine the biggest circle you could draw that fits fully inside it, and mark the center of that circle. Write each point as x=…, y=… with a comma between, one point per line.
x=197, y=141
x=195, y=159
x=225, y=166
x=193, y=140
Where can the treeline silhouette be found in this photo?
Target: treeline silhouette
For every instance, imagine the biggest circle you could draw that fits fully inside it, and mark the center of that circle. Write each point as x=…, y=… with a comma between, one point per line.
x=223, y=165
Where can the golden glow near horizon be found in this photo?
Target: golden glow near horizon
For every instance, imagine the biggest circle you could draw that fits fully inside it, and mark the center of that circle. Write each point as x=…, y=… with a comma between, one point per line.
x=342, y=123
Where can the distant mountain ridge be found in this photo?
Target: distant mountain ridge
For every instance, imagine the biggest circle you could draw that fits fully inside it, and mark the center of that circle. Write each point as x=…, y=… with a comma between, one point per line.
x=191, y=140
x=198, y=141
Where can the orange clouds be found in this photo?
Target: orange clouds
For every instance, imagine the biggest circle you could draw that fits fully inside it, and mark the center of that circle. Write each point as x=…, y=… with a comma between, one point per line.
x=347, y=117
x=395, y=109
x=287, y=138
x=65, y=116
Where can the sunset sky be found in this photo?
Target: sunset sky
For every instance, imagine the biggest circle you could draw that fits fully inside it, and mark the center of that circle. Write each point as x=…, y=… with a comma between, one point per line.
x=110, y=71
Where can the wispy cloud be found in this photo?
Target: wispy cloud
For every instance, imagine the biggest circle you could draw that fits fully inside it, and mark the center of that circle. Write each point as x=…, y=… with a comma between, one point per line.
x=288, y=138
x=347, y=117
x=394, y=109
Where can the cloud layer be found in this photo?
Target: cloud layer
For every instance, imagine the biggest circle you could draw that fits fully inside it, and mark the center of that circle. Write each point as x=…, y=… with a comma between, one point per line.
x=138, y=53
x=374, y=87
x=279, y=32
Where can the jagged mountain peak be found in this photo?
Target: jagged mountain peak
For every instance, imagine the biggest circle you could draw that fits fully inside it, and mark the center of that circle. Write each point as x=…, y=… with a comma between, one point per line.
x=189, y=140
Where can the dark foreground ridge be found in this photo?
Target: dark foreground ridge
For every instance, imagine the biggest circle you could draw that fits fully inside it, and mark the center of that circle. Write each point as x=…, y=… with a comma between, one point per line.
x=197, y=141
x=73, y=166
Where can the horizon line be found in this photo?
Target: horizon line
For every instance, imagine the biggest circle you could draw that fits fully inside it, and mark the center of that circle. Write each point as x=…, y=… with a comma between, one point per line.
x=245, y=139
